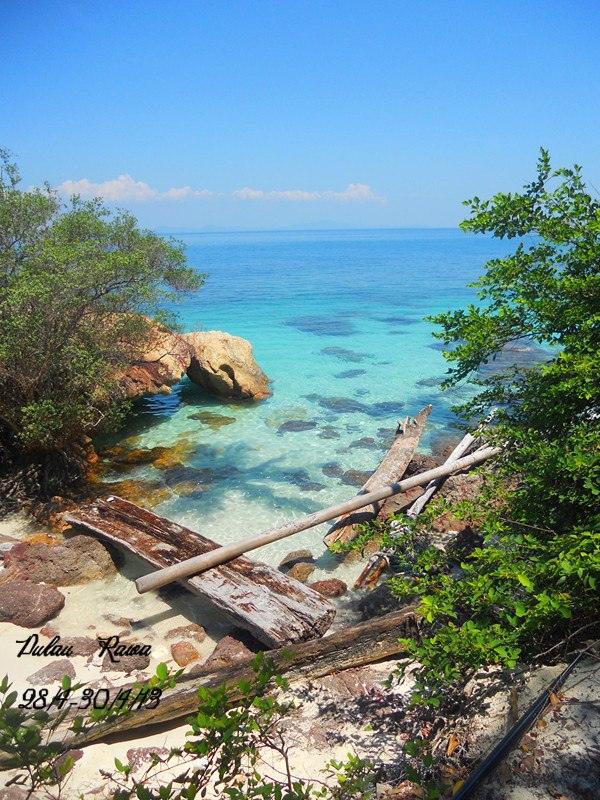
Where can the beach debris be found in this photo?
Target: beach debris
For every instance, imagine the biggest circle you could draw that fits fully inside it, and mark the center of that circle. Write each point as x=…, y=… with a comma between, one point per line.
x=365, y=643
x=222, y=555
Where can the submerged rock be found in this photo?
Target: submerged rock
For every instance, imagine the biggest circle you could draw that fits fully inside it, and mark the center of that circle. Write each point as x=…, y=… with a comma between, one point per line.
x=400, y=320
x=224, y=365
x=346, y=355
x=329, y=432
x=213, y=420
x=145, y=493
x=29, y=604
x=356, y=477
x=296, y=425
x=302, y=479
x=351, y=373
x=366, y=442
x=342, y=405
x=323, y=326
x=332, y=469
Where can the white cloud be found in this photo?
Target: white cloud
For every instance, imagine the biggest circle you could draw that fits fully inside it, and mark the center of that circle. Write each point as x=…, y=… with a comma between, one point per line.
x=249, y=194
x=354, y=193
x=126, y=188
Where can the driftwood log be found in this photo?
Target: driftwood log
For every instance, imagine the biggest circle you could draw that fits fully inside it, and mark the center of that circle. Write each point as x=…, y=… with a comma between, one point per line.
x=351, y=647
x=276, y=609
x=391, y=470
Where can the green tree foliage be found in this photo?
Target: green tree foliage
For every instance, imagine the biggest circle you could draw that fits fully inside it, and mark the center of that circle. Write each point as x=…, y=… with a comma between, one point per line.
x=548, y=292
x=77, y=287
x=536, y=582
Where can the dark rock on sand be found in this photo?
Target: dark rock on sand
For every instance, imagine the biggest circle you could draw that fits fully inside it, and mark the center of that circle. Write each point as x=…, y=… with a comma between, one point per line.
x=78, y=560
x=332, y=587
x=184, y=653
x=125, y=664
x=191, y=631
x=296, y=557
x=29, y=604
x=301, y=571
x=227, y=651
x=80, y=645
x=52, y=672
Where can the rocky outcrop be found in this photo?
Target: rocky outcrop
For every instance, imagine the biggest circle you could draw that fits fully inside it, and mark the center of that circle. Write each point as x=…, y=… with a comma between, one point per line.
x=221, y=364
x=224, y=365
x=163, y=364
x=29, y=604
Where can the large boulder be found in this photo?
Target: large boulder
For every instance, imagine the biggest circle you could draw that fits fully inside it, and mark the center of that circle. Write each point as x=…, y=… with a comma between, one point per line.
x=78, y=560
x=29, y=604
x=163, y=363
x=224, y=365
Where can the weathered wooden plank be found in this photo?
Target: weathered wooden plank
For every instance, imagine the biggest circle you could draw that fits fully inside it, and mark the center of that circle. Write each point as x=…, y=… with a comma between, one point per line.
x=276, y=609
x=391, y=470
x=355, y=646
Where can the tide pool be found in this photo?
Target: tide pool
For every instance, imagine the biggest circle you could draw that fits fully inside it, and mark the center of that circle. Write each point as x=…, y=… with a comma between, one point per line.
x=336, y=322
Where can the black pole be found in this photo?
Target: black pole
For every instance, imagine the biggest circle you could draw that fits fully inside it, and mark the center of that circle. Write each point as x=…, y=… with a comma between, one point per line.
x=515, y=733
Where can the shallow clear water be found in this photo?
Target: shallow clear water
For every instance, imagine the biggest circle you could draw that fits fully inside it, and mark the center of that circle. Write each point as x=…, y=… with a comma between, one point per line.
x=336, y=321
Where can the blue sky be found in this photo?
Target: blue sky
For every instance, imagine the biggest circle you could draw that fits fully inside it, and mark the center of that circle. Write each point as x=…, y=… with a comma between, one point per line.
x=269, y=114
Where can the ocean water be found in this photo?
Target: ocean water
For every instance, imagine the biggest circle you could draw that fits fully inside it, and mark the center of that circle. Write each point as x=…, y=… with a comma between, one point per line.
x=336, y=319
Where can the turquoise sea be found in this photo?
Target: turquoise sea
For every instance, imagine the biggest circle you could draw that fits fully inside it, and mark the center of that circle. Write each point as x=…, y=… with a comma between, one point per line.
x=336, y=321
